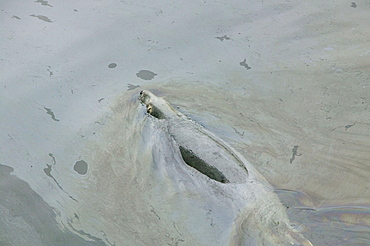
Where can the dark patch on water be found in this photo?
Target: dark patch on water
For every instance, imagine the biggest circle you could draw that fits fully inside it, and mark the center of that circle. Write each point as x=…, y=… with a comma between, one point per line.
x=244, y=64
x=49, y=112
x=146, y=74
x=43, y=3
x=353, y=5
x=224, y=37
x=54, y=161
x=48, y=171
x=132, y=87
x=42, y=17
x=294, y=153
x=82, y=233
x=80, y=167
x=349, y=126
x=16, y=17
x=112, y=65
x=194, y=161
x=50, y=72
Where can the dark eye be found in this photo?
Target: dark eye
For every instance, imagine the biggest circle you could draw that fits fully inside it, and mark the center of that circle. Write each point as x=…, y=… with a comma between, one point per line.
x=141, y=93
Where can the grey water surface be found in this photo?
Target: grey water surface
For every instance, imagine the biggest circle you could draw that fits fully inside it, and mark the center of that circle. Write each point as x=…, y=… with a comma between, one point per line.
x=284, y=83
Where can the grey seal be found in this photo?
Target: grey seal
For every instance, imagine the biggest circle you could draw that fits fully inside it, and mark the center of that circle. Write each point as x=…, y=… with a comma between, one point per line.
x=261, y=218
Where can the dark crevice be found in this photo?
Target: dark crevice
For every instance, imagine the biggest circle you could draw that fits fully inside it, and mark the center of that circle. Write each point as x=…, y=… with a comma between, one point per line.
x=155, y=112
x=194, y=161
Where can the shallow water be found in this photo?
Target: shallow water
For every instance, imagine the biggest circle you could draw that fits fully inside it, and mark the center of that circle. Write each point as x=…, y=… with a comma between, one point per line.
x=285, y=84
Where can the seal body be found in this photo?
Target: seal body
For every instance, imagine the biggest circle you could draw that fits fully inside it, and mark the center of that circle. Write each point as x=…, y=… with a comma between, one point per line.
x=256, y=215
x=199, y=148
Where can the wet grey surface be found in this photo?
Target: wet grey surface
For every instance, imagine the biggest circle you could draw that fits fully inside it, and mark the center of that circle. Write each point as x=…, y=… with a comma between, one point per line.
x=26, y=219
x=308, y=86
